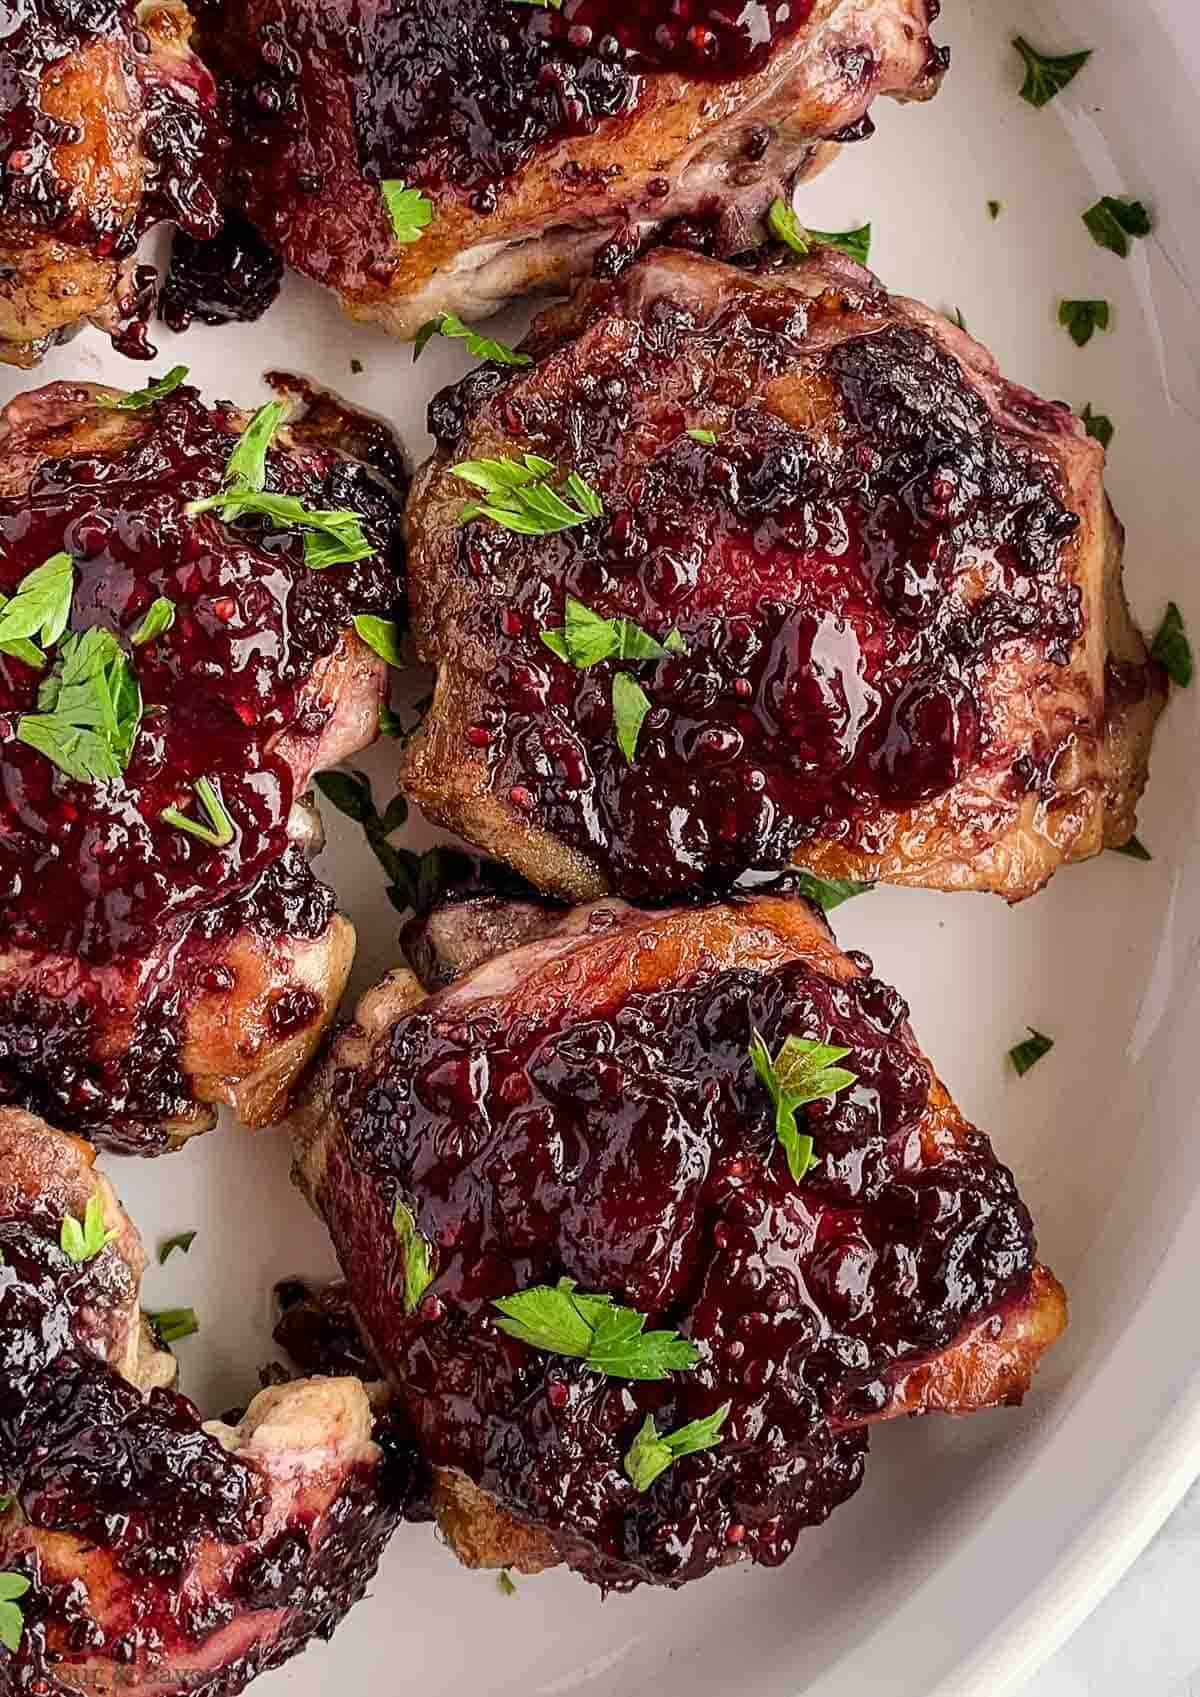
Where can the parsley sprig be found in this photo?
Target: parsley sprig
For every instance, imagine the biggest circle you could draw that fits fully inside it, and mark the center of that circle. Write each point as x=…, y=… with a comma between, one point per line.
x=416, y=880
x=89, y=709
x=1030, y=1051
x=410, y=212
x=1083, y=318
x=448, y=324
x=1046, y=75
x=182, y=1241
x=154, y=391
x=1113, y=220
x=602, y=1334
x=652, y=1451
x=12, y=1620
x=38, y=611
x=802, y=1071
x=173, y=1323
x=83, y=1240
x=216, y=828
x=416, y=1250
x=829, y=893
x=585, y=638
x=1171, y=648
x=521, y=497
x=158, y=617
x=784, y=225
x=1098, y=425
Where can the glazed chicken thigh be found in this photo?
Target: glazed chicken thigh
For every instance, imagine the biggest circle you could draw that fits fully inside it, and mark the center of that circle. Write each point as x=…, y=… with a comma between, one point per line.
x=163, y=943
x=159, y=1554
x=824, y=586
x=575, y=1130
x=535, y=135
x=108, y=126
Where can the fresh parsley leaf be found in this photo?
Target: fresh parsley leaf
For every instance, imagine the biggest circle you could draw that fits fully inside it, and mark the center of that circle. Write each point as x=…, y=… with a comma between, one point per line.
x=802, y=1071
x=7, y=1499
x=182, y=1241
x=246, y=468
x=1029, y=1052
x=586, y=638
x=350, y=793
x=1171, y=647
x=411, y=214
x=857, y=243
x=173, y=1323
x=382, y=635
x=83, y=1242
x=652, y=1452
x=630, y=707
x=12, y=1620
x=1083, y=319
x=418, y=1274
x=155, y=390
x=42, y=603
x=1046, y=76
x=415, y=880
x=390, y=722
x=448, y=324
x=784, y=225
x=521, y=498
x=595, y=1330
x=1112, y=221
x=1098, y=425
x=89, y=709
x=333, y=537
x=959, y=319
x=995, y=208
x=1135, y=849
x=829, y=893
x=504, y=1582
x=708, y=438
x=219, y=831
x=159, y=617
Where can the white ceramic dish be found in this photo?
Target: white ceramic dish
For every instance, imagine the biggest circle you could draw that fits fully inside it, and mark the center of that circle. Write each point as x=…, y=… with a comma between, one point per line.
x=973, y=1548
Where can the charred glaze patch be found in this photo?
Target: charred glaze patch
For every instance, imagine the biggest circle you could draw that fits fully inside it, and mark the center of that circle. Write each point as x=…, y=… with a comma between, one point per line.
x=182, y=141
x=843, y=589
x=634, y=1151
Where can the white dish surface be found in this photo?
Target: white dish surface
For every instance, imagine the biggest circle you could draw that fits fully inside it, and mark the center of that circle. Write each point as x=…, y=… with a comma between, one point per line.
x=974, y=1546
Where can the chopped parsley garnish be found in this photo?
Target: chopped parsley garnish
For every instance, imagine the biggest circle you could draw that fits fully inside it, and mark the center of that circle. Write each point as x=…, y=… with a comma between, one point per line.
x=246, y=468
x=418, y=1274
x=82, y=1242
x=708, y=438
x=959, y=319
x=89, y=709
x=1083, y=319
x=182, y=1241
x=1171, y=647
x=586, y=638
x=448, y=324
x=995, y=208
x=504, y=1582
x=173, y=1323
x=1098, y=425
x=1134, y=849
x=159, y=617
x=12, y=1620
x=381, y=635
x=390, y=722
x=784, y=225
x=41, y=606
x=652, y=1452
x=595, y=1330
x=857, y=243
x=411, y=214
x=803, y=1071
x=521, y=498
x=1046, y=76
x=630, y=707
x=7, y=1499
x=154, y=391
x=415, y=880
x=1028, y=1053
x=1113, y=220
x=219, y=830
x=829, y=893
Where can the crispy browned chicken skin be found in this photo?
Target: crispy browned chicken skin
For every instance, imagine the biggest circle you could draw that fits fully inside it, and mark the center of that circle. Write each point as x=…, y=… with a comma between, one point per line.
x=583, y=1105
x=163, y=1556
x=901, y=648
x=539, y=135
x=108, y=125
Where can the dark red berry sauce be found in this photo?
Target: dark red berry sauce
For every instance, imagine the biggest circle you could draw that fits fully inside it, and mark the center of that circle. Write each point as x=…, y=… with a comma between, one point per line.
x=634, y=1151
x=93, y=869
x=173, y=100
x=230, y=278
x=843, y=590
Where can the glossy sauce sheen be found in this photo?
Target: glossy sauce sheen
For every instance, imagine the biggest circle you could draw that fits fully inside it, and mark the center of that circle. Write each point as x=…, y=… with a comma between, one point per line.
x=822, y=581
x=92, y=869
x=181, y=139
x=635, y=1152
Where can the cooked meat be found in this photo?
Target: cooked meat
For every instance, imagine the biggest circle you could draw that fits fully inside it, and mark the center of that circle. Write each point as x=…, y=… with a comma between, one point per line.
x=538, y=135
x=585, y=1107
x=901, y=648
x=162, y=1555
x=108, y=126
x=147, y=973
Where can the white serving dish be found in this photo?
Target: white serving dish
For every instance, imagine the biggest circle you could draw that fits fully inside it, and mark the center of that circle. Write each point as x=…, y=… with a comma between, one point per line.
x=973, y=1548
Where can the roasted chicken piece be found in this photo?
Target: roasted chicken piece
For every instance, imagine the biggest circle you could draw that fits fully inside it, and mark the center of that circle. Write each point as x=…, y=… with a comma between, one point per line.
x=161, y=1555
x=535, y=136
x=833, y=590
x=575, y=1129
x=108, y=126
x=163, y=944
